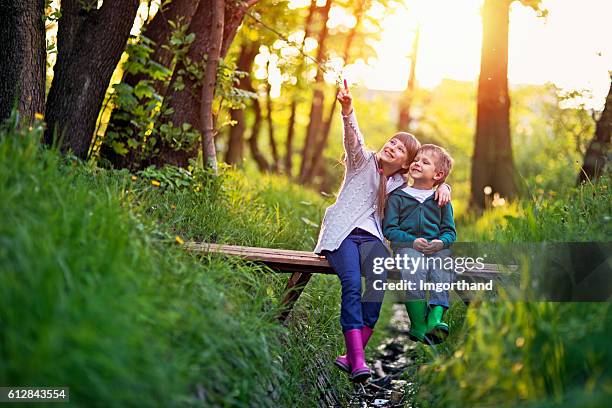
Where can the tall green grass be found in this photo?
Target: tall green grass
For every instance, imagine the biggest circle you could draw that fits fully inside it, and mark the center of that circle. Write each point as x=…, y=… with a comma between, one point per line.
x=96, y=295
x=235, y=209
x=530, y=354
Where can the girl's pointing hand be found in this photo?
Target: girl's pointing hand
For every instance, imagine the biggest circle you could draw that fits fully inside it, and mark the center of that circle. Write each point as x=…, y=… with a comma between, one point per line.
x=345, y=99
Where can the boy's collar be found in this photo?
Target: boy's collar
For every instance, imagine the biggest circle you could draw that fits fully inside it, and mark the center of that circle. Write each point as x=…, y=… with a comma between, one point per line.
x=401, y=191
x=422, y=189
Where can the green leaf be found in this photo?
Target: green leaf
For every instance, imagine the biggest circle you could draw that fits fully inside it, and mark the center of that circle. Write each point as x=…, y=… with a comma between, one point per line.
x=158, y=71
x=144, y=90
x=122, y=87
x=119, y=148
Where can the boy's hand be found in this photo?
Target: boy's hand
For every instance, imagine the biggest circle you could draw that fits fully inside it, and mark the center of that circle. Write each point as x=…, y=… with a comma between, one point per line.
x=442, y=195
x=345, y=99
x=433, y=247
x=420, y=244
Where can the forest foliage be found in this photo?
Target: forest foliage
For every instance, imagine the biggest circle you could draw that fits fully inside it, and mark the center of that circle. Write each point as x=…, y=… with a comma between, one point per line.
x=104, y=180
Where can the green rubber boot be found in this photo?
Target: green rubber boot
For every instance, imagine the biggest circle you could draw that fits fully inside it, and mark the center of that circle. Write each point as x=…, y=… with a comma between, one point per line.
x=418, y=326
x=437, y=330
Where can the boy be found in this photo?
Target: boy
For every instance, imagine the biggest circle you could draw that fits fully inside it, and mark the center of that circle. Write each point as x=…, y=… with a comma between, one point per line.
x=421, y=230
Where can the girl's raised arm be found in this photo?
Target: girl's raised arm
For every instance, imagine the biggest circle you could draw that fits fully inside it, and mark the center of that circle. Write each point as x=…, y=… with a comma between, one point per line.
x=354, y=145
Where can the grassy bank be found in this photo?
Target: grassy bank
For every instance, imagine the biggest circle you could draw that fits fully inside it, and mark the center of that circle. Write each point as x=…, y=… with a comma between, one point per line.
x=97, y=294
x=530, y=354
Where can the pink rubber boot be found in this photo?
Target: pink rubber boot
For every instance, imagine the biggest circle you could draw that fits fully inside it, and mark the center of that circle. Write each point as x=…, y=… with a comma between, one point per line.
x=342, y=362
x=354, y=349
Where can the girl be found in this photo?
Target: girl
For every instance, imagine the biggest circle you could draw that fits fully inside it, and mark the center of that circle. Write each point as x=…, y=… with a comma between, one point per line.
x=355, y=219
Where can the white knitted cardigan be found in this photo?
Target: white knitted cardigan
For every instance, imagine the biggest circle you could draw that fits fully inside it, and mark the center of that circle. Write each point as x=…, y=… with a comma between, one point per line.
x=358, y=194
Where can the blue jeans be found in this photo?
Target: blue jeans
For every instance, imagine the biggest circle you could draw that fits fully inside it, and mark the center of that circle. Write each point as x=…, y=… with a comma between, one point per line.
x=427, y=272
x=346, y=262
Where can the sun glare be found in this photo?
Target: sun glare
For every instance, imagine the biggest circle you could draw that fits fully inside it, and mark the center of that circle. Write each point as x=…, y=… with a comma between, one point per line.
x=449, y=46
x=569, y=48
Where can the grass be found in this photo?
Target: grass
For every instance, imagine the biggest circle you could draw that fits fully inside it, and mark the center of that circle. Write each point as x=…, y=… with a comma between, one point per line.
x=96, y=295
x=529, y=354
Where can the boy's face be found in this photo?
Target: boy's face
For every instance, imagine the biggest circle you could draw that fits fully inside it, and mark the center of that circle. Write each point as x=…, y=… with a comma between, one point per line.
x=423, y=168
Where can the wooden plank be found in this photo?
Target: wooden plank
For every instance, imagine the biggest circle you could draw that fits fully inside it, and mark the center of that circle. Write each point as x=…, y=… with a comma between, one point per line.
x=285, y=260
x=252, y=250
x=302, y=265
x=278, y=256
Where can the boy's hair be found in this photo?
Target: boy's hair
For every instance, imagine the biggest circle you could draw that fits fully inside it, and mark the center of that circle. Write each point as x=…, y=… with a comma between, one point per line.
x=442, y=160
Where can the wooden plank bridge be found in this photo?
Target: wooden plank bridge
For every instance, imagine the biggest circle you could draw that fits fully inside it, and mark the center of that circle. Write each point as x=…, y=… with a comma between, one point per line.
x=302, y=265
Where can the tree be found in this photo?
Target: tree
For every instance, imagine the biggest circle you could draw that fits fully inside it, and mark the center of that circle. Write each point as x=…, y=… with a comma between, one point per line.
x=159, y=31
x=271, y=138
x=258, y=156
x=90, y=43
x=208, y=87
x=22, y=57
x=595, y=157
x=183, y=96
x=404, y=120
x=316, y=109
x=492, y=164
x=235, y=148
x=317, y=159
x=294, y=101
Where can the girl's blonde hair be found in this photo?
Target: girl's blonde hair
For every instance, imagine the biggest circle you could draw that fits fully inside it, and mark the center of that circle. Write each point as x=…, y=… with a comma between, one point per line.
x=412, y=145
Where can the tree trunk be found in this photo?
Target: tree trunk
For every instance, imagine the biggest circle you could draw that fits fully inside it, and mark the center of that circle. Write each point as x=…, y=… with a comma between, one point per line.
x=159, y=31
x=271, y=139
x=299, y=70
x=403, y=123
x=289, y=141
x=186, y=102
x=235, y=145
x=22, y=58
x=492, y=160
x=316, y=109
x=596, y=154
x=209, y=152
x=316, y=167
x=235, y=148
x=259, y=158
x=90, y=43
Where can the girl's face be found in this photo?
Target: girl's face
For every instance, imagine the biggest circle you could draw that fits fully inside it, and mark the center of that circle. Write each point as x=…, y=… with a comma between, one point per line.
x=394, y=153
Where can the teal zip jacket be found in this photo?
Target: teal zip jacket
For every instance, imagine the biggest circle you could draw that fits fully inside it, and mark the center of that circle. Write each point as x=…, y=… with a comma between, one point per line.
x=406, y=219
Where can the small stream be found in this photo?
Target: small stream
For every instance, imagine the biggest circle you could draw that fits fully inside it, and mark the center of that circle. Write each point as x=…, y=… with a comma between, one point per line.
x=389, y=362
